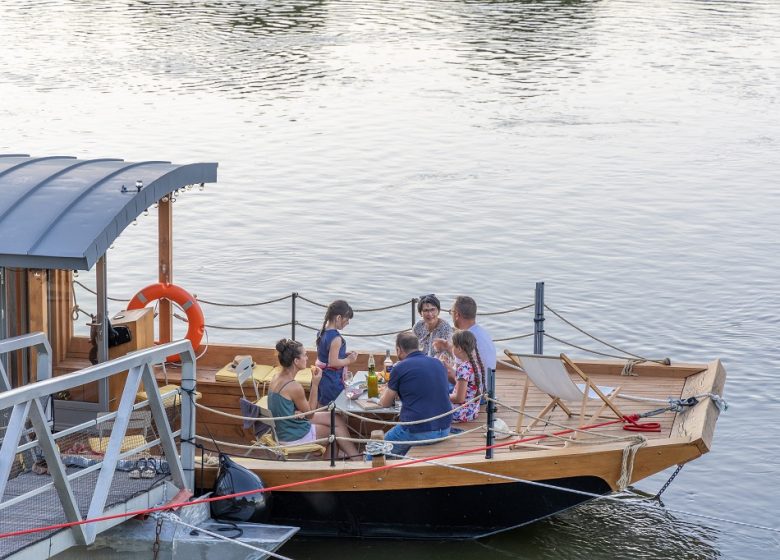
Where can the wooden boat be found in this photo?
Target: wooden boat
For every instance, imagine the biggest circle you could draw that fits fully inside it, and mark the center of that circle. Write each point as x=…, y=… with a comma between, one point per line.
x=434, y=500
x=461, y=494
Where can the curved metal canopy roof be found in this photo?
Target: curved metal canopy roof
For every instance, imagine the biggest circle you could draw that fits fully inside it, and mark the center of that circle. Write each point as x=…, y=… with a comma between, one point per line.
x=62, y=212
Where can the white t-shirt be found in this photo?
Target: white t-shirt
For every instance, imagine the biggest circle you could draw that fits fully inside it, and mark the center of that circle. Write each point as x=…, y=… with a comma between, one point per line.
x=487, y=350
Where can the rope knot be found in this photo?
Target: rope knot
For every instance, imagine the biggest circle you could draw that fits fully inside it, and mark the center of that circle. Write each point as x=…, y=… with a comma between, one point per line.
x=722, y=405
x=679, y=405
x=378, y=448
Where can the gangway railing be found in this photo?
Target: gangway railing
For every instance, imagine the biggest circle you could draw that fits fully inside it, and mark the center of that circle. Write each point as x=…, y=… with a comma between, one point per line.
x=93, y=461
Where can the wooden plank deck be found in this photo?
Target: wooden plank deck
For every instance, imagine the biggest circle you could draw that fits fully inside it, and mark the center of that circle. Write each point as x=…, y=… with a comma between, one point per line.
x=225, y=396
x=509, y=391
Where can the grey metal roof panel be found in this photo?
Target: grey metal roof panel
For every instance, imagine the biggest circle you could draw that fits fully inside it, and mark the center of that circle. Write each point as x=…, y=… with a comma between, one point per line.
x=61, y=212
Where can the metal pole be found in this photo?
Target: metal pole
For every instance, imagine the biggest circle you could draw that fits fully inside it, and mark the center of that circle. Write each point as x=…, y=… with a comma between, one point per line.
x=539, y=319
x=414, y=308
x=332, y=435
x=294, y=297
x=101, y=271
x=491, y=387
x=188, y=386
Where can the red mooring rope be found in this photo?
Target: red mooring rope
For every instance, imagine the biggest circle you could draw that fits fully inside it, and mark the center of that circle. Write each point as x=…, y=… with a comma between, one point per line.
x=631, y=419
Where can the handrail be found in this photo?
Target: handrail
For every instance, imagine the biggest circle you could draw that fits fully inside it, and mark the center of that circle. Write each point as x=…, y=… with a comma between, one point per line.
x=25, y=405
x=53, y=385
x=36, y=341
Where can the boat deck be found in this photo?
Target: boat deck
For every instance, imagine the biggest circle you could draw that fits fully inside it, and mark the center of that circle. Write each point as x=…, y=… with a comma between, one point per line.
x=509, y=392
x=651, y=382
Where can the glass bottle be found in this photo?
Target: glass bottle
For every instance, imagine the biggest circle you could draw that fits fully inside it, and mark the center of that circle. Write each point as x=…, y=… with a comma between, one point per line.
x=388, y=365
x=371, y=380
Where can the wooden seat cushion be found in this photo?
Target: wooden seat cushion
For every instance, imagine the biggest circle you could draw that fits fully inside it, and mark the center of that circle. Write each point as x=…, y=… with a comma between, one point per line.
x=261, y=373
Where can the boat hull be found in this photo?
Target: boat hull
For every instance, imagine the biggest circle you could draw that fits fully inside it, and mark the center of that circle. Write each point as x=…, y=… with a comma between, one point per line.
x=457, y=512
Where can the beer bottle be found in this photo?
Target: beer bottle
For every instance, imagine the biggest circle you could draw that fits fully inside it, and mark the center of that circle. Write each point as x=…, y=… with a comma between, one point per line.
x=372, y=381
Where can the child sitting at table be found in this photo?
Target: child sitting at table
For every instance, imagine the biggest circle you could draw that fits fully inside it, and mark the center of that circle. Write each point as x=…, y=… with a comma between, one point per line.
x=469, y=376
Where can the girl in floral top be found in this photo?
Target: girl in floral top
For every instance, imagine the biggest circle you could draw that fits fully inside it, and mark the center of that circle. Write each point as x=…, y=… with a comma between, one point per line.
x=469, y=376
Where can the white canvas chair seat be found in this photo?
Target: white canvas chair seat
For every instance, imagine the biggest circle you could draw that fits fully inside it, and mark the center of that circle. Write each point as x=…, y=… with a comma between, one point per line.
x=549, y=375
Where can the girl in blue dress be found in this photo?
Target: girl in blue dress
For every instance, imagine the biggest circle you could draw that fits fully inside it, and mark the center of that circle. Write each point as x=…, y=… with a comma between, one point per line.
x=332, y=355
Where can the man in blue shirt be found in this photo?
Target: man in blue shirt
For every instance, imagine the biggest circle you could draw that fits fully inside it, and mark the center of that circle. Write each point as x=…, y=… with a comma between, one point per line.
x=421, y=384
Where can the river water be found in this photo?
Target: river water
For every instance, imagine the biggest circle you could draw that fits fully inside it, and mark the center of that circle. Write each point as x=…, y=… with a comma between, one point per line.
x=625, y=153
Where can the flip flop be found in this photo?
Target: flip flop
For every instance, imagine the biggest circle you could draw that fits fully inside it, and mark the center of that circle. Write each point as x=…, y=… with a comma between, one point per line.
x=140, y=465
x=150, y=471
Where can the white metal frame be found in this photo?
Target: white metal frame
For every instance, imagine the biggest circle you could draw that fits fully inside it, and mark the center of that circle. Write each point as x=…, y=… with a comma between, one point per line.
x=25, y=403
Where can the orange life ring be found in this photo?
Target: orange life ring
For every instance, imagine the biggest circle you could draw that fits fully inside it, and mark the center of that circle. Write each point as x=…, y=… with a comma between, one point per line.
x=180, y=296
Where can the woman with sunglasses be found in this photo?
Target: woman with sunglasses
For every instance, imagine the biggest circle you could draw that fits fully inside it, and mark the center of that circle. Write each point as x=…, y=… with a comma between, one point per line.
x=431, y=326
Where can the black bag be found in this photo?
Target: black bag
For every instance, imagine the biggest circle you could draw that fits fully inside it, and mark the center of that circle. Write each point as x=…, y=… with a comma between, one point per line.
x=233, y=479
x=116, y=336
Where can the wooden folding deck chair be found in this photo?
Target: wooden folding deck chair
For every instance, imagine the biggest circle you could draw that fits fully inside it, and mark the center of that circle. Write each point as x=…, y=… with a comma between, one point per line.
x=244, y=374
x=549, y=375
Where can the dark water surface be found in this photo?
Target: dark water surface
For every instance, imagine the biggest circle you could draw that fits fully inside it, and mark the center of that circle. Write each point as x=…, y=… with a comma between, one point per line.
x=623, y=152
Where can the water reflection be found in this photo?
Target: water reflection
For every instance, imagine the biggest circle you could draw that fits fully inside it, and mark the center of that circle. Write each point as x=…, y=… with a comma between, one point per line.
x=532, y=43
x=636, y=178
x=609, y=529
x=603, y=530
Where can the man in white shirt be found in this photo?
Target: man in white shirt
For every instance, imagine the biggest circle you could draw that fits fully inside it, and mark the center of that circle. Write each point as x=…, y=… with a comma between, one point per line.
x=464, y=317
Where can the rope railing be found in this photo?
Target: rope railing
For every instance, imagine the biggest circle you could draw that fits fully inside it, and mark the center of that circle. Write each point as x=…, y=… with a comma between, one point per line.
x=327, y=407
x=297, y=416
x=255, y=304
x=293, y=323
x=518, y=337
x=605, y=343
x=413, y=422
x=308, y=300
x=513, y=310
x=589, y=350
x=385, y=308
x=451, y=435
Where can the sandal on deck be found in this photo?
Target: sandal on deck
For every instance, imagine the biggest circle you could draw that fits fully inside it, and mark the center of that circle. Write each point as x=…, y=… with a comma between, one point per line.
x=140, y=465
x=150, y=471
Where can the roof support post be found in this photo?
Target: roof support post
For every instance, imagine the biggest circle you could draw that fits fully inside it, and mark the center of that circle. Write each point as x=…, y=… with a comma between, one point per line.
x=165, y=264
x=38, y=306
x=101, y=282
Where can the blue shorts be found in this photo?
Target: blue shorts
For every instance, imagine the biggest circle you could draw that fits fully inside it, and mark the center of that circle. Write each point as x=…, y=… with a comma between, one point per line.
x=331, y=385
x=402, y=433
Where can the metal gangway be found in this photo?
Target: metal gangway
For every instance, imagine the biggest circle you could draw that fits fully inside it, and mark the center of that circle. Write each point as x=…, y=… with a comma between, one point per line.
x=121, y=461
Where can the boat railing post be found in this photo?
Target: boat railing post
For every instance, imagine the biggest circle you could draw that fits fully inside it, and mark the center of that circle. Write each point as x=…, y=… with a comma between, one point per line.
x=491, y=389
x=414, y=308
x=332, y=434
x=539, y=319
x=292, y=319
x=378, y=460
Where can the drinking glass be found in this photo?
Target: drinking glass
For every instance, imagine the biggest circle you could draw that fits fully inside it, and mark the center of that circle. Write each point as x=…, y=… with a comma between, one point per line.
x=347, y=377
x=447, y=359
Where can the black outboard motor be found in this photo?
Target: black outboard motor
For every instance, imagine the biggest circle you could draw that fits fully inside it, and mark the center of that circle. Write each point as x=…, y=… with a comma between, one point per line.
x=232, y=479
